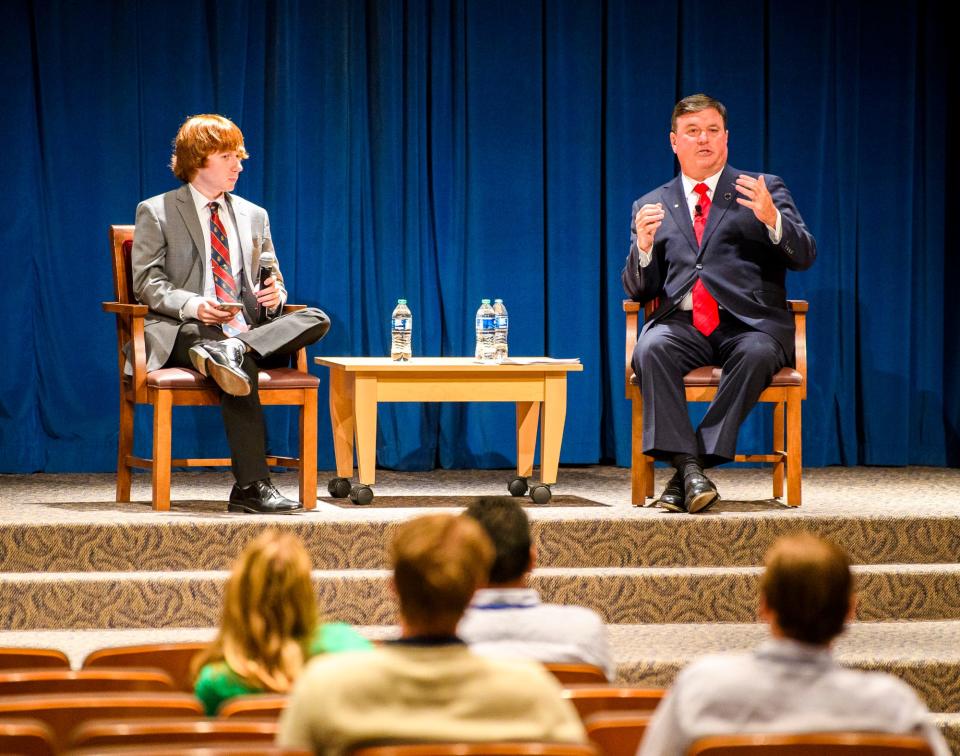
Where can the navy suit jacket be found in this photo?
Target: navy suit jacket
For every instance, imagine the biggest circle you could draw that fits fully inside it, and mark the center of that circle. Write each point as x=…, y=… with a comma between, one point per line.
x=743, y=270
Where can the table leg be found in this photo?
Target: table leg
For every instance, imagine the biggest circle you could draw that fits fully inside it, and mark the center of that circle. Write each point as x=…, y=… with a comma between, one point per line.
x=551, y=434
x=528, y=415
x=342, y=420
x=365, y=412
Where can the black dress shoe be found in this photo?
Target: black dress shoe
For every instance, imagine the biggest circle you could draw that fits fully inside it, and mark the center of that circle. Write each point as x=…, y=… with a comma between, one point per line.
x=221, y=360
x=261, y=497
x=672, y=497
x=699, y=492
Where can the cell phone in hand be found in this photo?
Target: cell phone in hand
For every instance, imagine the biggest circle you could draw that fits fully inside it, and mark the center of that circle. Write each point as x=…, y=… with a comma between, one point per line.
x=229, y=305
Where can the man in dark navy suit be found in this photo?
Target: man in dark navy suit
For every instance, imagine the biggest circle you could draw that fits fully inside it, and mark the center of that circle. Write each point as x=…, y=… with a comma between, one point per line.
x=713, y=247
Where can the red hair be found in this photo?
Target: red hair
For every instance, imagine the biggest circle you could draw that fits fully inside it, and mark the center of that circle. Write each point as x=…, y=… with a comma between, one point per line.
x=201, y=136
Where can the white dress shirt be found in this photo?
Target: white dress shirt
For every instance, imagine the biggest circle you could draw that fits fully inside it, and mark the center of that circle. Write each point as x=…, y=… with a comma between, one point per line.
x=783, y=686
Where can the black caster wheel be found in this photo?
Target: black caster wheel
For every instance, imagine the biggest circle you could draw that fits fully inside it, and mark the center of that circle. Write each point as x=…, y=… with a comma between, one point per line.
x=339, y=488
x=361, y=494
x=517, y=486
x=540, y=493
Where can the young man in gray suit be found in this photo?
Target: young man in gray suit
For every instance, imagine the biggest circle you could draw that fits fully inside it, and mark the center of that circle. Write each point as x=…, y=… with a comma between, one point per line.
x=197, y=254
x=713, y=247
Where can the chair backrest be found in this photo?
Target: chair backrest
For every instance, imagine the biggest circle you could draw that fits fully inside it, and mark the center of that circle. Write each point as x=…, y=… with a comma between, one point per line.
x=494, y=748
x=103, y=680
x=27, y=737
x=266, y=706
x=210, y=749
x=134, y=732
x=63, y=712
x=172, y=658
x=617, y=733
x=589, y=699
x=811, y=744
x=32, y=658
x=568, y=674
x=121, y=244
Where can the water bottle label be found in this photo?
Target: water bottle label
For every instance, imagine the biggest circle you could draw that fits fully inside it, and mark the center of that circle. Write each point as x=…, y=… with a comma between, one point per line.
x=486, y=322
x=401, y=324
x=502, y=321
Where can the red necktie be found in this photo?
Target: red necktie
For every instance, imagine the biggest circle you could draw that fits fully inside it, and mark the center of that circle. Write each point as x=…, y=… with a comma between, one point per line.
x=224, y=284
x=706, y=316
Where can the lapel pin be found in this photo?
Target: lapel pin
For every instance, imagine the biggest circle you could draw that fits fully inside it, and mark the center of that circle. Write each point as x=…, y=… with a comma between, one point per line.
x=727, y=195
x=676, y=205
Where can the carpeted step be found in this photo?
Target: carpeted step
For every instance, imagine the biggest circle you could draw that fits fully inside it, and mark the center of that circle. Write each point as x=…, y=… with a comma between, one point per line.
x=924, y=654
x=574, y=537
x=628, y=595
x=949, y=725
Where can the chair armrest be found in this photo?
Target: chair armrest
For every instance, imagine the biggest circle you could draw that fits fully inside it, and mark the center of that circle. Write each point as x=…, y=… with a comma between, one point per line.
x=799, y=308
x=130, y=328
x=798, y=305
x=293, y=308
x=130, y=310
x=630, y=306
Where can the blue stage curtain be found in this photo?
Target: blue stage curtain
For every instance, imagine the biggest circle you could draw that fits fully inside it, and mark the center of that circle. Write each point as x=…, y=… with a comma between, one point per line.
x=449, y=151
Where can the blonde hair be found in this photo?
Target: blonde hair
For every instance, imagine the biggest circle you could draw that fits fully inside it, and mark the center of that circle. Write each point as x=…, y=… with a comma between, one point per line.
x=201, y=136
x=438, y=562
x=269, y=614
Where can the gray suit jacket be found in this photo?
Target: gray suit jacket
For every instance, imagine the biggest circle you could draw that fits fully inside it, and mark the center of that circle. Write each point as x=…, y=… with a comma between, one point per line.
x=167, y=261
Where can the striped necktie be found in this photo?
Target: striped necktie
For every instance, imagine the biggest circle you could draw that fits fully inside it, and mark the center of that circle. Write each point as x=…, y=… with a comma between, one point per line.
x=224, y=284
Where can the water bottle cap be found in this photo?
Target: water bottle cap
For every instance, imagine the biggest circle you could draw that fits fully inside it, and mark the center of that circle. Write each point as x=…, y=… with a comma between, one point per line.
x=484, y=301
x=498, y=301
x=401, y=301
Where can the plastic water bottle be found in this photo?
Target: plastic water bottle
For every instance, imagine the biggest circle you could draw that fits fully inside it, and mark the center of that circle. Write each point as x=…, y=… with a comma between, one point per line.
x=502, y=324
x=486, y=332
x=401, y=332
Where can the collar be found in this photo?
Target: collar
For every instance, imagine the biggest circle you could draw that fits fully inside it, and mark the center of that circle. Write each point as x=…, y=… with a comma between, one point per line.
x=201, y=202
x=793, y=651
x=428, y=640
x=710, y=181
x=505, y=598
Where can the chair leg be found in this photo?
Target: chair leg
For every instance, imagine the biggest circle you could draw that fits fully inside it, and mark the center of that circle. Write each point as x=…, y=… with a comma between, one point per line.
x=794, y=449
x=160, y=474
x=639, y=472
x=778, y=448
x=124, y=447
x=648, y=475
x=308, y=450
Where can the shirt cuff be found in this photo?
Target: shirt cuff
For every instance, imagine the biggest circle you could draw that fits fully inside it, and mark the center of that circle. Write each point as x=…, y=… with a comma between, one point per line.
x=644, y=257
x=776, y=232
x=190, y=308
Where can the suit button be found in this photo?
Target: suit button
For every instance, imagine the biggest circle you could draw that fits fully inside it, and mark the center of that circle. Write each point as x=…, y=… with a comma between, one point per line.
x=699, y=266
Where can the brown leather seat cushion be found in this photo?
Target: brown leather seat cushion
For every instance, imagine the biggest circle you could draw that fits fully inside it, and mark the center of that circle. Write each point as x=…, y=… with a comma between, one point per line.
x=710, y=376
x=274, y=378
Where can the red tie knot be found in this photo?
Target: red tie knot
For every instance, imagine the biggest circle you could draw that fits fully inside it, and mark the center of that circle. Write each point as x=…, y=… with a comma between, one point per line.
x=702, y=190
x=215, y=206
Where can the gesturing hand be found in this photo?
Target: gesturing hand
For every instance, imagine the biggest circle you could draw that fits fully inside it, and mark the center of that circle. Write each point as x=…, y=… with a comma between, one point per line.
x=646, y=222
x=757, y=197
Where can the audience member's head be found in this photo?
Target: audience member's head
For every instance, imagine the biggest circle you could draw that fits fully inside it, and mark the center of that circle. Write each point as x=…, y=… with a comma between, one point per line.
x=269, y=613
x=509, y=529
x=199, y=137
x=807, y=588
x=438, y=562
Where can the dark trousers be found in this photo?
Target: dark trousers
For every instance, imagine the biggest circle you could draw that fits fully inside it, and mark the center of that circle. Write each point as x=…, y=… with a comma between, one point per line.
x=271, y=345
x=670, y=349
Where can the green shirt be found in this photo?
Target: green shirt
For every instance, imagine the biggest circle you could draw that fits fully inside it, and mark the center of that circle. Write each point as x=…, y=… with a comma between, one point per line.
x=217, y=683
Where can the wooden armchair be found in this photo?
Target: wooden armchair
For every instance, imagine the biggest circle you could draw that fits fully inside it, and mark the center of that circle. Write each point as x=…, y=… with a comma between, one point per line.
x=812, y=744
x=169, y=387
x=786, y=392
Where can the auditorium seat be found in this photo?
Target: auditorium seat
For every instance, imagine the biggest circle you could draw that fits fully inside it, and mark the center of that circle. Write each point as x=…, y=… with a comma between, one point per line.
x=210, y=749
x=135, y=732
x=27, y=737
x=172, y=658
x=62, y=712
x=493, y=748
x=589, y=699
x=568, y=674
x=102, y=680
x=617, y=733
x=32, y=658
x=811, y=744
x=256, y=706
x=786, y=392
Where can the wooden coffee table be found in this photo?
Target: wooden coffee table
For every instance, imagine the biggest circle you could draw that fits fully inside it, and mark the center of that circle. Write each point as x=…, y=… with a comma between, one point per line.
x=359, y=384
